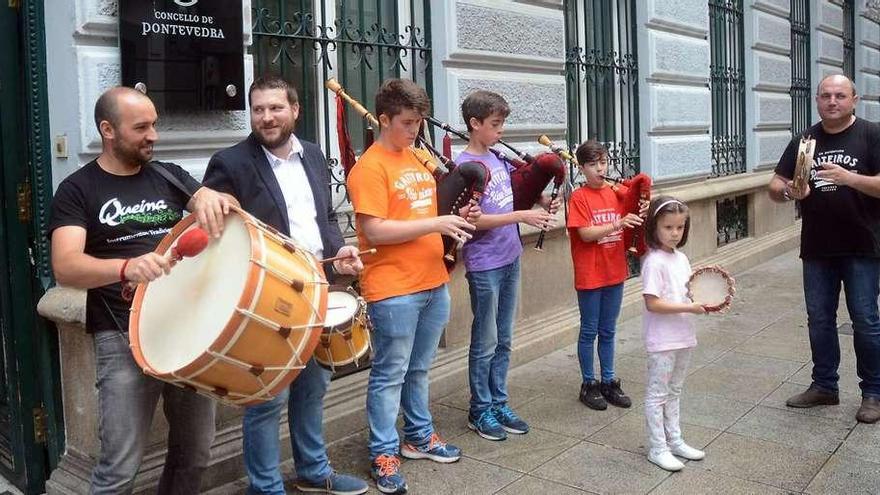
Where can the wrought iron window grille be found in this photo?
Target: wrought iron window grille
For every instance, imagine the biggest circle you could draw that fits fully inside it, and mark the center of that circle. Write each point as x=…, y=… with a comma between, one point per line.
x=732, y=219
x=360, y=43
x=601, y=69
x=800, y=66
x=849, y=55
x=727, y=85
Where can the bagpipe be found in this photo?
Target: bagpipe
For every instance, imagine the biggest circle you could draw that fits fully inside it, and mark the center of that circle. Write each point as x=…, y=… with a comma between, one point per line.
x=458, y=185
x=529, y=175
x=632, y=193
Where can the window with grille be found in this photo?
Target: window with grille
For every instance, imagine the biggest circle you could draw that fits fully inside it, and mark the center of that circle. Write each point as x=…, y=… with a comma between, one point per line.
x=601, y=69
x=727, y=84
x=360, y=43
x=849, y=55
x=800, y=66
x=732, y=219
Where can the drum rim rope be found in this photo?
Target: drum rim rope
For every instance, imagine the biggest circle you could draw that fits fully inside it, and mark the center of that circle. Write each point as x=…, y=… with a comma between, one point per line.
x=731, y=287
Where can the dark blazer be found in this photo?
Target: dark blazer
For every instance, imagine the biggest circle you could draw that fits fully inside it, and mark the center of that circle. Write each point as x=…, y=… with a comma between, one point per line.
x=244, y=172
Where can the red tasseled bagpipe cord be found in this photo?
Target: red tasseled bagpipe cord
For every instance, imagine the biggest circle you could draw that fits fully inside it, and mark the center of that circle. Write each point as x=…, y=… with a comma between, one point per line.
x=346, y=154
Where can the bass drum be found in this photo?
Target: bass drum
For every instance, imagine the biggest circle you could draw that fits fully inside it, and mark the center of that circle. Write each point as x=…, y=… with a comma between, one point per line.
x=238, y=321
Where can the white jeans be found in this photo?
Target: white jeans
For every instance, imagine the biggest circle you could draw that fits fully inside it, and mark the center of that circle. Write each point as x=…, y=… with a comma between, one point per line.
x=666, y=372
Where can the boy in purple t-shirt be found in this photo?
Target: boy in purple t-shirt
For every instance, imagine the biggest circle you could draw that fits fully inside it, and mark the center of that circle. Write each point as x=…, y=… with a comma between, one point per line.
x=491, y=258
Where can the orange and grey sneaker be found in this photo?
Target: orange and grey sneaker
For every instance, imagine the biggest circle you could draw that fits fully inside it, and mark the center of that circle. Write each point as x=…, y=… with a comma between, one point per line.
x=435, y=449
x=386, y=472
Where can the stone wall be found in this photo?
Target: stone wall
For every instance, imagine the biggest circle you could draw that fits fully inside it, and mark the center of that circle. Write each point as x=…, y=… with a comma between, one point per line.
x=675, y=106
x=768, y=80
x=868, y=58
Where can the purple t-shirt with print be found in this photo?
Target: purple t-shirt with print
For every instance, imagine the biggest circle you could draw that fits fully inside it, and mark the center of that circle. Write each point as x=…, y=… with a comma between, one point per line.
x=493, y=248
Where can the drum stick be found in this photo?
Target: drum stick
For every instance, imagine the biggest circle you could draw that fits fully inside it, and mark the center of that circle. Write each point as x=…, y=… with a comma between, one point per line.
x=336, y=258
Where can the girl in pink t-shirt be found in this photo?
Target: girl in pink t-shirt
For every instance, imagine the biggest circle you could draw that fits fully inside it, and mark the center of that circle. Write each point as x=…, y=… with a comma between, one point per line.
x=669, y=333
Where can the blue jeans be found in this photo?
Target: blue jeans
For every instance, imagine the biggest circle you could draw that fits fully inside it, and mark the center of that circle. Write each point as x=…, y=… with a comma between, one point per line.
x=599, y=309
x=304, y=400
x=861, y=284
x=127, y=399
x=493, y=303
x=406, y=333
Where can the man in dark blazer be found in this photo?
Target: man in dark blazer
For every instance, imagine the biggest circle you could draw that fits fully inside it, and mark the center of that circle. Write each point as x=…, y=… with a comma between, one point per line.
x=285, y=183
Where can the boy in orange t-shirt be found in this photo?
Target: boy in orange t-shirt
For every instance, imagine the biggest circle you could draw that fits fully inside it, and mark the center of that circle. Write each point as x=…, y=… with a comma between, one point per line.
x=395, y=203
x=595, y=225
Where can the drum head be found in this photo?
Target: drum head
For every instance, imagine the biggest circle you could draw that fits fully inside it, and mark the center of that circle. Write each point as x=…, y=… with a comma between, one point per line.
x=712, y=287
x=341, y=308
x=184, y=312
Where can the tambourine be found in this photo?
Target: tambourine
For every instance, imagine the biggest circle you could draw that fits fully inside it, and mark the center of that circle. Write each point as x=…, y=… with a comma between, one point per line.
x=712, y=287
x=804, y=163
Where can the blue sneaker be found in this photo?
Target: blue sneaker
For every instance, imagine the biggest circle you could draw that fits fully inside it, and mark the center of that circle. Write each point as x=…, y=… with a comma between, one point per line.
x=435, y=449
x=335, y=484
x=487, y=426
x=510, y=421
x=386, y=472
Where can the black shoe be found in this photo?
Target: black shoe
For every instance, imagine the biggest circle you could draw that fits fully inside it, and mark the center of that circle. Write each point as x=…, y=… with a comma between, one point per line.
x=812, y=397
x=614, y=395
x=591, y=397
x=869, y=412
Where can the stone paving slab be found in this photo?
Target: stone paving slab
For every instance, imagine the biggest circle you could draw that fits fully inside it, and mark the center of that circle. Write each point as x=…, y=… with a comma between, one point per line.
x=601, y=469
x=698, y=482
x=568, y=417
x=522, y=453
x=725, y=382
x=629, y=433
x=761, y=461
x=793, y=429
x=711, y=411
x=467, y=476
x=863, y=442
x=529, y=485
x=846, y=474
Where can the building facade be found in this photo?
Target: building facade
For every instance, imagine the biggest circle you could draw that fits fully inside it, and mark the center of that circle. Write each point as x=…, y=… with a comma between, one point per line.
x=702, y=95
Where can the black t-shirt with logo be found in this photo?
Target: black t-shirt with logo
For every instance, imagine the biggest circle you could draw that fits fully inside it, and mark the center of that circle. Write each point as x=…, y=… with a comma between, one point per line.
x=839, y=220
x=125, y=216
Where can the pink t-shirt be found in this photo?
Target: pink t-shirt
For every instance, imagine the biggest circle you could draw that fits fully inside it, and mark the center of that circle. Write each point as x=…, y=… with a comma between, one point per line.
x=665, y=275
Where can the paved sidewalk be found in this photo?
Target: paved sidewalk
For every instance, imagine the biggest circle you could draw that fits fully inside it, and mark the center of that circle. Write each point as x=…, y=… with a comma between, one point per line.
x=745, y=366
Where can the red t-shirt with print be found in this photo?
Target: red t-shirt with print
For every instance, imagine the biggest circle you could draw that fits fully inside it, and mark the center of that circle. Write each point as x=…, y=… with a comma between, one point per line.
x=599, y=263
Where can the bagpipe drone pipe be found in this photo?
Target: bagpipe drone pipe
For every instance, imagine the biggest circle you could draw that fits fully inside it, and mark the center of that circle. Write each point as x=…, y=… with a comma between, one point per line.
x=632, y=193
x=529, y=175
x=457, y=185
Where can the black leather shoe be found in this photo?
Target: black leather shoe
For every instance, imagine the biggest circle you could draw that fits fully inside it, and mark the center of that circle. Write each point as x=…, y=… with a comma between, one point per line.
x=591, y=396
x=614, y=394
x=813, y=397
x=870, y=410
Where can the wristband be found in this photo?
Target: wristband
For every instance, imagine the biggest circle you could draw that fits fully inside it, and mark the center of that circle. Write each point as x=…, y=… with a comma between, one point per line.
x=122, y=271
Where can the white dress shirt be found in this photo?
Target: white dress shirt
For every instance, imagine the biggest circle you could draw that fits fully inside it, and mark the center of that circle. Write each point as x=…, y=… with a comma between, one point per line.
x=298, y=195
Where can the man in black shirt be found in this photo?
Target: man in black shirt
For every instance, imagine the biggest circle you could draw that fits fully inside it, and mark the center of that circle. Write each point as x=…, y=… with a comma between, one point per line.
x=107, y=217
x=840, y=242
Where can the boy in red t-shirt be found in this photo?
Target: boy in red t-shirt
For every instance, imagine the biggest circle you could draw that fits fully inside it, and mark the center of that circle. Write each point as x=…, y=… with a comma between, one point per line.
x=595, y=225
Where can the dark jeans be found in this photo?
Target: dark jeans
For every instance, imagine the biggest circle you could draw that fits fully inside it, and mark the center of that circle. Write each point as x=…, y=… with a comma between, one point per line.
x=127, y=399
x=599, y=309
x=861, y=284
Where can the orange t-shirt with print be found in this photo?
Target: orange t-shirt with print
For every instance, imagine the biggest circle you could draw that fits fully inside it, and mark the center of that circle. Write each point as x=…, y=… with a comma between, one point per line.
x=396, y=186
x=599, y=263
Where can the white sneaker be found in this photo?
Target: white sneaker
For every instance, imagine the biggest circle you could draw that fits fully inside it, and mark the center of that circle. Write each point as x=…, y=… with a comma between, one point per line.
x=666, y=461
x=686, y=451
